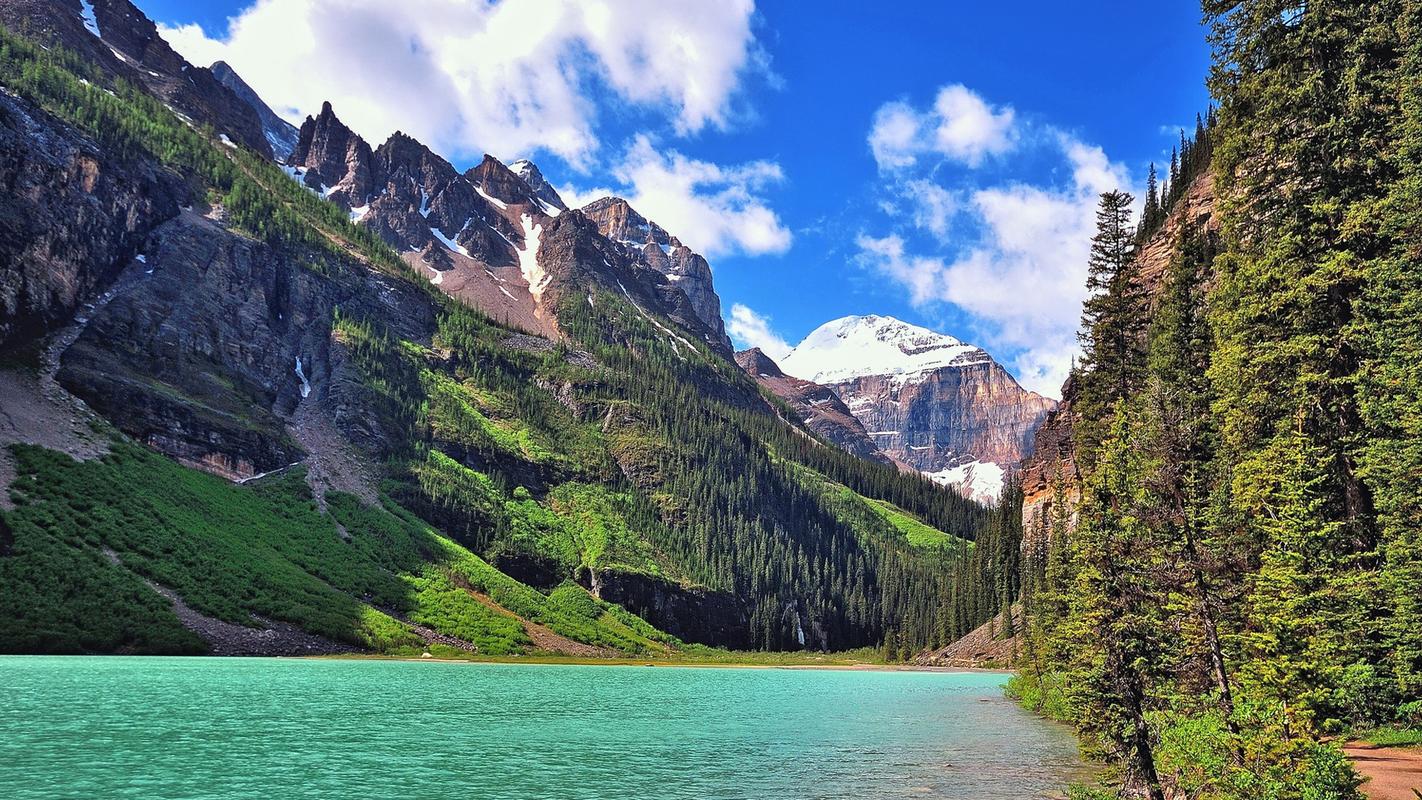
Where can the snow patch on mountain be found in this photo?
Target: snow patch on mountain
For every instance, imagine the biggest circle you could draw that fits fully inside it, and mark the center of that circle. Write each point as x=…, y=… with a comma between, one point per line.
x=978, y=480
x=448, y=242
x=528, y=258
x=857, y=346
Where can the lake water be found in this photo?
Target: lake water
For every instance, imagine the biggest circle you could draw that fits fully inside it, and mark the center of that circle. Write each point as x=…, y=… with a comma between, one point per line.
x=238, y=728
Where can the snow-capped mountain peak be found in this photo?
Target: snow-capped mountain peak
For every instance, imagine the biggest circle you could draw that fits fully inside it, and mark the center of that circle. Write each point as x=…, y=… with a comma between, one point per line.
x=857, y=346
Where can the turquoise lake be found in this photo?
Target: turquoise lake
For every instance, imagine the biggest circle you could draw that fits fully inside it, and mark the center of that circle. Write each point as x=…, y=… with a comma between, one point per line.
x=235, y=728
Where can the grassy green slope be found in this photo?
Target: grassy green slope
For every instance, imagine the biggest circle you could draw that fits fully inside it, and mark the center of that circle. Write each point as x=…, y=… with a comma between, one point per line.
x=86, y=535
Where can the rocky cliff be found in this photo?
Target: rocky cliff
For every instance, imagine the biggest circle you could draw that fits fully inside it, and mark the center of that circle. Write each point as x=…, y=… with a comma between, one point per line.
x=497, y=238
x=71, y=220
x=280, y=134
x=649, y=243
x=818, y=406
x=927, y=400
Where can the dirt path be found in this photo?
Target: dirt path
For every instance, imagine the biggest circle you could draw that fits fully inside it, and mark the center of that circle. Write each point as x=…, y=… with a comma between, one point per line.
x=1393, y=773
x=543, y=638
x=272, y=639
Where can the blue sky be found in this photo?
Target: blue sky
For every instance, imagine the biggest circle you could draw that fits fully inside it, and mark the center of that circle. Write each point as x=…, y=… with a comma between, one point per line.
x=932, y=161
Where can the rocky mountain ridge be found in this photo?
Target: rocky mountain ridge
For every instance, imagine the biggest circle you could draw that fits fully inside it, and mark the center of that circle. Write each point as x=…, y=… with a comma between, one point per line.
x=121, y=40
x=818, y=406
x=423, y=472
x=926, y=399
x=481, y=234
x=280, y=134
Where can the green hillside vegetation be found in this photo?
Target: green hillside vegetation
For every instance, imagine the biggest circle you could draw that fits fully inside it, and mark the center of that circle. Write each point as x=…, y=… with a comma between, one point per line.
x=86, y=535
x=917, y=533
x=1242, y=589
x=660, y=460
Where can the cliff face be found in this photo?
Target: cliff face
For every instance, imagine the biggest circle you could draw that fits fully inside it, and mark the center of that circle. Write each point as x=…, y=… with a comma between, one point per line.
x=648, y=242
x=1051, y=474
x=123, y=41
x=501, y=239
x=207, y=349
x=948, y=417
x=71, y=220
x=280, y=134
x=927, y=400
x=818, y=406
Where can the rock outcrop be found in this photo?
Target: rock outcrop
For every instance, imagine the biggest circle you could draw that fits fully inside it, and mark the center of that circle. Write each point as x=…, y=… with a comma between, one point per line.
x=692, y=614
x=542, y=189
x=926, y=399
x=648, y=242
x=1051, y=475
x=215, y=340
x=817, y=406
x=501, y=239
x=72, y=219
x=280, y=134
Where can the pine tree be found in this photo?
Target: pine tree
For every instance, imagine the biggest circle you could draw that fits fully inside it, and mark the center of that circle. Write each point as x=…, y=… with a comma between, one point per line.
x=1117, y=607
x=1152, y=213
x=1113, y=320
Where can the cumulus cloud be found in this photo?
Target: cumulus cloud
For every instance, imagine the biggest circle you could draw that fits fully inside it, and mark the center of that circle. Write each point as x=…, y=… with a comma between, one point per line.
x=750, y=329
x=714, y=209
x=960, y=126
x=507, y=77
x=1024, y=278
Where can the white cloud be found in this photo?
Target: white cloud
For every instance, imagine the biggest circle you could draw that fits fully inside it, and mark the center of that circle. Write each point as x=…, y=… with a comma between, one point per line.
x=713, y=209
x=750, y=329
x=507, y=77
x=960, y=126
x=1025, y=278
x=933, y=206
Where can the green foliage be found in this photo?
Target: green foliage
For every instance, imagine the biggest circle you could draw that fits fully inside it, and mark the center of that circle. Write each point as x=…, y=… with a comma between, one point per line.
x=917, y=533
x=1245, y=567
x=233, y=552
x=518, y=454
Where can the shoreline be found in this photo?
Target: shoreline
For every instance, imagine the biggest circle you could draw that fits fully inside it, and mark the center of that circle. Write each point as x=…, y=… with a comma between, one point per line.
x=556, y=660
x=553, y=660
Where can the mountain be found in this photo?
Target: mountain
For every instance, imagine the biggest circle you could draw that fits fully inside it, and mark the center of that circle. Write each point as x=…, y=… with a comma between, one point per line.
x=280, y=134
x=120, y=40
x=528, y=171
x=819, y=407
x=276, y=408
x=483, y=236
x=928, y=400
x=649, y=243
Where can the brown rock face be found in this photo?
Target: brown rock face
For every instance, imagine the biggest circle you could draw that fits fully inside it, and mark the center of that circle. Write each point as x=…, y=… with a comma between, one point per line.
x=819, y=407
x=336, y=162
x=948, y=417
x=648, y=242
x=1051, y=475
x=195, y=352
x=927, y=400
x=495, y=240
x=529, y=172
x=280, y=134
